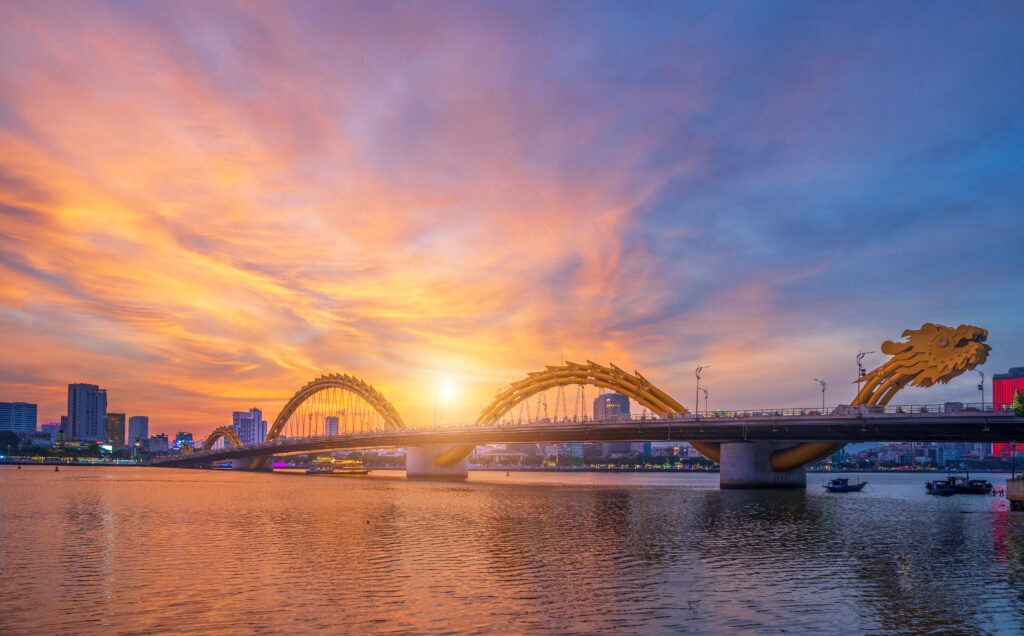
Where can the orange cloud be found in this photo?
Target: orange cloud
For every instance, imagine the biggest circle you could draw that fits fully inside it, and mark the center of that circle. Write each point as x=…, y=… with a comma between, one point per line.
x=203, y=208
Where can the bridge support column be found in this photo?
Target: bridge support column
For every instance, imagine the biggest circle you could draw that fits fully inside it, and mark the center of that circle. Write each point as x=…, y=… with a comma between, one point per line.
x=253, y=463
x=421, y=462
x=747, y=465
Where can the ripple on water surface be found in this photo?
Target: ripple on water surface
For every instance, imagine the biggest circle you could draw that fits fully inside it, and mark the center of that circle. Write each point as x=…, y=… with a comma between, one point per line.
x=121, y=549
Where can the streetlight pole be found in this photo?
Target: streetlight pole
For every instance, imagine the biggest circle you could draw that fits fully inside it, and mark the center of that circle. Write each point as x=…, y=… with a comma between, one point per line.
x=822, y=383
x=860, y=368
x=981, y=388
x=696, y=399
x=706, y=410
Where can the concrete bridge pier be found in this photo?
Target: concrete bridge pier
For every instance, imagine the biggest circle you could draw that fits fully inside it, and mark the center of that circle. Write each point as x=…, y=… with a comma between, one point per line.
x=1015, y=493
x=253, y=463
x=421, y=462
x=748, y=465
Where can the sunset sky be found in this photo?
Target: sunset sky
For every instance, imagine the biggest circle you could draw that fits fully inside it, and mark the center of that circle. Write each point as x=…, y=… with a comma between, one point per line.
x=203, y=205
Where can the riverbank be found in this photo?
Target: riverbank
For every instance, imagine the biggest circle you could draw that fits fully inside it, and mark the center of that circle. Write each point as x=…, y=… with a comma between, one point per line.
x=532, y=469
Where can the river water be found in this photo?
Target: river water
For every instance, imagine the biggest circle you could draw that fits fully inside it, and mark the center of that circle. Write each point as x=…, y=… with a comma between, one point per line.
x=91, y=549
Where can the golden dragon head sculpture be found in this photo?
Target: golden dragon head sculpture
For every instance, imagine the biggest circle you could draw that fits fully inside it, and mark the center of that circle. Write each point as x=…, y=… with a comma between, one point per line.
x=933, y=353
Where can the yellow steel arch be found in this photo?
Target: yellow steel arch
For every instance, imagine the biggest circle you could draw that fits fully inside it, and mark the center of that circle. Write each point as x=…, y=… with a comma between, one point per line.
x=611, y=377
x=352, y=384
x=223, y=432
x=370, y=395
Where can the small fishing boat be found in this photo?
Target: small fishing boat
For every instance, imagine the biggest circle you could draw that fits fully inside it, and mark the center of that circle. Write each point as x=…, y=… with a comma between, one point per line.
x=968, y=486
x=940, y=487
x=842, y=484
x=957, y=485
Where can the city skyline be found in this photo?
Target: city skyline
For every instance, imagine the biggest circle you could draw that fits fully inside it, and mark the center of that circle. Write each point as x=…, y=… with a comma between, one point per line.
x=205, y=206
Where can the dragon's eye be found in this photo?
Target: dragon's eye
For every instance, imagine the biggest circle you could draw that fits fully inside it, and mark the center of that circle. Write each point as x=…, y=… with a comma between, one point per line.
x=943, y=342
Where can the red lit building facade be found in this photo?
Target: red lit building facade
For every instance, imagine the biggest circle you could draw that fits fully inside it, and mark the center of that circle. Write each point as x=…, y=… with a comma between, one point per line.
x=1004, y=387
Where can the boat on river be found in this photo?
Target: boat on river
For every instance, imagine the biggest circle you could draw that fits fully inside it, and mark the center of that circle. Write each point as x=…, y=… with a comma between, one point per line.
x=940, y=487
x=339, y=467
x=842, y=484
x=968, y=486
x=957, y=485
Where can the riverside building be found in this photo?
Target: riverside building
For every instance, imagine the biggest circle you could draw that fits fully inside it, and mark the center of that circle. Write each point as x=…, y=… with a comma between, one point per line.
x=17, y=416
x=87, y=413
x=115, y=429
x=250, y=426
x=1004, y=388
x=138, y=429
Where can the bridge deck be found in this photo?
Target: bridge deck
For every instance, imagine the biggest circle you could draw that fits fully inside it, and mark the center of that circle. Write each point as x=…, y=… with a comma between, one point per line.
x=883, y=427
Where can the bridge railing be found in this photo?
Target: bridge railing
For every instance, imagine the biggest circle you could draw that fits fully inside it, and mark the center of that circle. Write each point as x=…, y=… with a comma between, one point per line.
x=894, y=409
x=844, y=409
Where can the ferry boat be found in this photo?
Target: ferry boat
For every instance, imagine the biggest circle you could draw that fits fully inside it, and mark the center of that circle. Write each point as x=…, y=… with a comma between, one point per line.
x=842, y=484
x=340, y=467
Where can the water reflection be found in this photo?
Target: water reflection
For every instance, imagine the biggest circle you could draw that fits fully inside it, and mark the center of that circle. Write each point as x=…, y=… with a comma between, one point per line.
x=165, y=550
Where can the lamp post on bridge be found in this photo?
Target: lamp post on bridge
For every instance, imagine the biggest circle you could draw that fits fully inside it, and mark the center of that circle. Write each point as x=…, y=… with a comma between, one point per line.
x=981, y=388
x=822, y=383
x=860, y=368
x=706, y=410
x=696, y=399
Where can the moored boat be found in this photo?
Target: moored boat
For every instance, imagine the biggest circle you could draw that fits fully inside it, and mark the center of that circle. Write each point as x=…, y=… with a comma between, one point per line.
x=968, y=486
x=339, y=467
x=940, y=487
x=957, y=485
x=842, y=484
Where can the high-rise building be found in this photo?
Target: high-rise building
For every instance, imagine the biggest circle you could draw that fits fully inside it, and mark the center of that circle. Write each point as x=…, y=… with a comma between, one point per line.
x=17, y=416
x=641, y=448
x=1004, y=388
x=616, y=448
x=115, y=429
x=182, y=438
x=250, y=426
x=87, y=413
x=64, y=432
x=611, y=406
x=159, y=443
x=954, y=450
x=330, y=425
x=138, y=429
